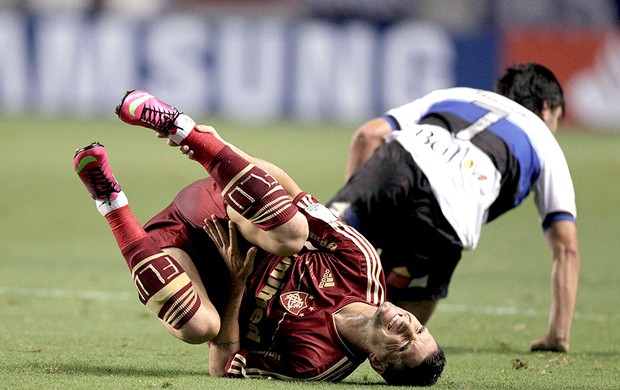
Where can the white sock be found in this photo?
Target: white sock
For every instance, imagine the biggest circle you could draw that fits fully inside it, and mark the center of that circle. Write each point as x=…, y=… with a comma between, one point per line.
x=185, y=124
x=105, y=206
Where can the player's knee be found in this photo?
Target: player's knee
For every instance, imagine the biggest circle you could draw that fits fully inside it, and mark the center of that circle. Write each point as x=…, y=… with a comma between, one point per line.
x=289, y=238
x=200, y=329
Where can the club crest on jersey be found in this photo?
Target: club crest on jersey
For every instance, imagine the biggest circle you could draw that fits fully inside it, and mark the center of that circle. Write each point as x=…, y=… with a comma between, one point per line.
x=296, y=301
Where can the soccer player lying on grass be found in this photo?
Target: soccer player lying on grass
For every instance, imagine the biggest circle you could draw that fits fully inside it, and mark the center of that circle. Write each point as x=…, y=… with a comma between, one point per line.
x=298, y=295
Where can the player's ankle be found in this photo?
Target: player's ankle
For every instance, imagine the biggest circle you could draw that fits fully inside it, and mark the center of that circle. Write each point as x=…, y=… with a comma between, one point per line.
x=184, y=125
x=106, y=206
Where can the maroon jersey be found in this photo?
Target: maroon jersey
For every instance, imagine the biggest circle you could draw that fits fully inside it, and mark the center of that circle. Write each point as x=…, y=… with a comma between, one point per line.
x=287, y=317
x=287, y=320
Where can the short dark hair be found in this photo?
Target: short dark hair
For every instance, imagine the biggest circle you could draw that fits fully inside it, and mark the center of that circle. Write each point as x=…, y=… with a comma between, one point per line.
x=531, y=85
x=424, y=374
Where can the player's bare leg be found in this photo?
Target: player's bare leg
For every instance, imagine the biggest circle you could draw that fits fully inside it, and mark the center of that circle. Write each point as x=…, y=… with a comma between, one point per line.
x=163, y=285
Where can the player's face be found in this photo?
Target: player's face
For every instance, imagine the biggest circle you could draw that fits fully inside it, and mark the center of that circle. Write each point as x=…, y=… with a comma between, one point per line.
x=552, y=118
x=399, y=337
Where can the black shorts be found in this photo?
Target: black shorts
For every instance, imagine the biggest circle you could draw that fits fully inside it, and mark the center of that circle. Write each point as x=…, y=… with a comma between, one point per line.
x=390, y=201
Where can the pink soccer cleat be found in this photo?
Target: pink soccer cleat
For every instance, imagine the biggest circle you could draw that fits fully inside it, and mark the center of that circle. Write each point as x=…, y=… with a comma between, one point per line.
x=91, y=165
x=140, y=108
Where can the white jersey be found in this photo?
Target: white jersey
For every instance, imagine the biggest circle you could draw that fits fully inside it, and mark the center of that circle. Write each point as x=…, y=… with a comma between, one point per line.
x=484, y=158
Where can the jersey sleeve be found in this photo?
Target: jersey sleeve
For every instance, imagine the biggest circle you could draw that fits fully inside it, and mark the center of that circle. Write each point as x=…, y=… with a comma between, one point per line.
x=554, y=192
x=357, y=258
x=246, y=364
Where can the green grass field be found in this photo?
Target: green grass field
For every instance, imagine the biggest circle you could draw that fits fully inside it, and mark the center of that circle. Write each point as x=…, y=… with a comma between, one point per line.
x=69, y=316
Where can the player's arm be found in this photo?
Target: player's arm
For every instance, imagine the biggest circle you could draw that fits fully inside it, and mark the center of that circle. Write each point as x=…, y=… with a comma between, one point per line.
x=562, y=239
x=364, y=141
x=227, y=341
x=372, y=134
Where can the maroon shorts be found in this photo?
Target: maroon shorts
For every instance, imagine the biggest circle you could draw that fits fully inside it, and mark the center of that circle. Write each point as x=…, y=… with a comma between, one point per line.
x=180, y=225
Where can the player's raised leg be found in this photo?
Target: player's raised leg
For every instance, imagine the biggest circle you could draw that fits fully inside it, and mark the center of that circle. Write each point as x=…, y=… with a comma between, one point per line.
x=162, y=283
x=249, y=190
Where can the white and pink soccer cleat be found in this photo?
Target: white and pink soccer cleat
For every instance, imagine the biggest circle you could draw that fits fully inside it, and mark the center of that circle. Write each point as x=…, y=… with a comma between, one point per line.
x=140, y=108
x=91, y=165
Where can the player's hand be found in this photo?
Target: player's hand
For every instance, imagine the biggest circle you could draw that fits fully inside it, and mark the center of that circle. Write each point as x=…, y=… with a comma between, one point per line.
x=210, y=130
x=185, y=149
x=227, y=244
x=547, y=343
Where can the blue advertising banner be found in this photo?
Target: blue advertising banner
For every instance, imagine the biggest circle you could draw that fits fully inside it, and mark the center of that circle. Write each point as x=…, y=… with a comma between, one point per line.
x=246, y=68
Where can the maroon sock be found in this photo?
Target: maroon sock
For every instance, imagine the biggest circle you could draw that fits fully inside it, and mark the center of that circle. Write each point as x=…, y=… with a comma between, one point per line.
x=248, y=189
x=257, y=196
x=251, y=191
x=125, y=227
x=204, y=145
x=163, y=286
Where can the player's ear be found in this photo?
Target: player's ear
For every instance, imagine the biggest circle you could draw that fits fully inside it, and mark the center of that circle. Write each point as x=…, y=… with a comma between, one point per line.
x=376, y=363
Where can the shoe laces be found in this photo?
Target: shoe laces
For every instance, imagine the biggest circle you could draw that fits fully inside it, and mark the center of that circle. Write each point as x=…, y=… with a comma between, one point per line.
x=160, y=119
x=101, y=183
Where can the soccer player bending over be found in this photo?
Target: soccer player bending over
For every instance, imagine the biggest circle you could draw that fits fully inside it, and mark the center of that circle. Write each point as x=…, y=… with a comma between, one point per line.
x=423, y=179
x=248, y=262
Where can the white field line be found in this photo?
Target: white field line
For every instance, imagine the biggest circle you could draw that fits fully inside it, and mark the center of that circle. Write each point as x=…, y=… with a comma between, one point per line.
x=518, y=312
x=66, y=294
x=496, y=311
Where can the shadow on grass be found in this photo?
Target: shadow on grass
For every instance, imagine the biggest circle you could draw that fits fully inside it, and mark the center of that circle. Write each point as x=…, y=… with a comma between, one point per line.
x=108, y=370
x=496, y=350
x=503, y=349
x=358, y=383
x=85, y=370
x=88, y=369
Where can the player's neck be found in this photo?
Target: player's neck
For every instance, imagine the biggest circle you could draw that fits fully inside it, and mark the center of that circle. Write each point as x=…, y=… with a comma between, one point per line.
x=353, y=325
